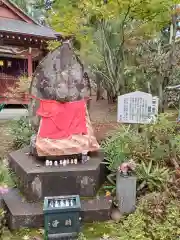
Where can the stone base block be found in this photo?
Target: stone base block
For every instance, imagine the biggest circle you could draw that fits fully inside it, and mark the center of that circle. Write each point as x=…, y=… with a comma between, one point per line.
x=22, y=214
x=1, y=201
x=126, y=193
x=36, y=181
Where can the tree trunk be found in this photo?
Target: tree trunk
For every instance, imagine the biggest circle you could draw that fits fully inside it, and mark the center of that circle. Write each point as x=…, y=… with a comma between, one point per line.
x=161, y=98
x=98, y=91
x=110, y=97
x=99, y=88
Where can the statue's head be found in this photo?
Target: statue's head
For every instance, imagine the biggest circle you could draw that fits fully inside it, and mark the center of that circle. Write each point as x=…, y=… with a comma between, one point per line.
x=59, y=76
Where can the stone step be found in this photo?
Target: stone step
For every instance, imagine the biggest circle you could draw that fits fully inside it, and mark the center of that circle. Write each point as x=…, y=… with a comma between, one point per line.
x=35, y=180
x=22, y=214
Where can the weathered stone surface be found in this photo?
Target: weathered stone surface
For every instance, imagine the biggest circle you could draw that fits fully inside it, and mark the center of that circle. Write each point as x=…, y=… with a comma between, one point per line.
x=23, y=214
x=60, y=76
x=126, y=193
x=1, y=201
x=97, y=209
x=20, y=213
x=36, y=181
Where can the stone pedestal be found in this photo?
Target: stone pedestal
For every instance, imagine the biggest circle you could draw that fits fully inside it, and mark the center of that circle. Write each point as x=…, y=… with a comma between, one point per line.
x=22, y=214
x=37, y=181
x=126, y=193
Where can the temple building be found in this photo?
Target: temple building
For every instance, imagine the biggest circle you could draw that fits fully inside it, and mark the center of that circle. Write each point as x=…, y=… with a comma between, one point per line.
x=23, y=43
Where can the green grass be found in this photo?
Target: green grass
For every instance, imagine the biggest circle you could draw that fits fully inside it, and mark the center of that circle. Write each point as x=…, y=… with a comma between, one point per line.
x=89, y=231
x=24, y=234
x=98, y=230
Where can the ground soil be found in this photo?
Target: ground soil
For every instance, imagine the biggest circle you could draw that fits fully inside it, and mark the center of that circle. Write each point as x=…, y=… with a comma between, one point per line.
x=103, y=117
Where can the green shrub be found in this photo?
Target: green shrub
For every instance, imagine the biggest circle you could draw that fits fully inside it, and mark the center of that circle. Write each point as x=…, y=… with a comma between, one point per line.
x=155, y=148
x=152, y=177
x=5, y=182
x=21, y=133
x=117, y=148
x=157, y=218
x=6, y=176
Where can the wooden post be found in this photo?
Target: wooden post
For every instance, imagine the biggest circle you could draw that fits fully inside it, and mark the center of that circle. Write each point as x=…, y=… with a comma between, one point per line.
x=30, y=67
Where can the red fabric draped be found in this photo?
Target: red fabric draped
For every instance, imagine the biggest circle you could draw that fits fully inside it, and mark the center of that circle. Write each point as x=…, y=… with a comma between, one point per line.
x=62, y=120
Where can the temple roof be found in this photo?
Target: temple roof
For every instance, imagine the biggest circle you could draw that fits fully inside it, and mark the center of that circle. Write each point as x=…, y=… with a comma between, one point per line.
x=17, y=26
x=15, y=20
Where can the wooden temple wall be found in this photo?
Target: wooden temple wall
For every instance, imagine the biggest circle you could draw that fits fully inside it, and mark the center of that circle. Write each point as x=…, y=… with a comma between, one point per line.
x=11, y=68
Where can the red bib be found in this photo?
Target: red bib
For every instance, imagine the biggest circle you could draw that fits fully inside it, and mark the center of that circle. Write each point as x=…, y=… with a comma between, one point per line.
x=62, y=120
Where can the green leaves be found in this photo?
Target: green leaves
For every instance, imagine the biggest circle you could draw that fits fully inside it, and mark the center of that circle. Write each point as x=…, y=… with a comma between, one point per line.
x=116, y=149
x=110, y=35
x=152, y=177
x=154, y=150
x=6, y=176
x=21, y=132
x=35, y=8
x=144, y=223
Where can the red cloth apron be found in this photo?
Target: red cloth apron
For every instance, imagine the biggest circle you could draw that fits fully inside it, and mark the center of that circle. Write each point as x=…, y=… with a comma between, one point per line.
x=62, y=120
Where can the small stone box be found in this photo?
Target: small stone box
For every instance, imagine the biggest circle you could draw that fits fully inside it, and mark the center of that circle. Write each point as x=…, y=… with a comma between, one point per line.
x=62, y=217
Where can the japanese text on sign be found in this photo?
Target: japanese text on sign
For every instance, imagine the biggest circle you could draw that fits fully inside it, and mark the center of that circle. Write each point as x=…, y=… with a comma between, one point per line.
x=68, y=222
x=135, y=107
x=55, y=223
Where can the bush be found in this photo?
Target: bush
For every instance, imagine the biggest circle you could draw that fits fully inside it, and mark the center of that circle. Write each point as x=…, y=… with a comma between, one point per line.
x=155, y=148
x=5, y=182
x=21, y=133
x=6, y=176
x=152, y=177
x=157, y=217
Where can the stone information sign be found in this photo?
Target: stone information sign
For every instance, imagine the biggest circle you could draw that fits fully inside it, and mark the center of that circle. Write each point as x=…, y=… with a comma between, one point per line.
x=135, y=107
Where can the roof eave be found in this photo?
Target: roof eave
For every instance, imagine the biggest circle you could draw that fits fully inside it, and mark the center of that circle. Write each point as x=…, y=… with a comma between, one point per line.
x=31, y=35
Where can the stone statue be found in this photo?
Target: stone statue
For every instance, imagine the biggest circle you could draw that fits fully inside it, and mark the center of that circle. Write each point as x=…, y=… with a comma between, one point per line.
x=60, y=77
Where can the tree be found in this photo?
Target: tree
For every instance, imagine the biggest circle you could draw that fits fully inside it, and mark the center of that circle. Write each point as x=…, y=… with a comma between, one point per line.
x=111, y=34
x=21, y=4
x=34, y=8
x=158, y=59
x=75, y=18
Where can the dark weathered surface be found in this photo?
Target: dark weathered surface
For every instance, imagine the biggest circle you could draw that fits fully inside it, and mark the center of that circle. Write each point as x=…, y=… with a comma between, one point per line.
x=30, y=215
x=20, y=213
x=37, y=181
x=126, y=193
x=60, y=76
x=97, y=209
